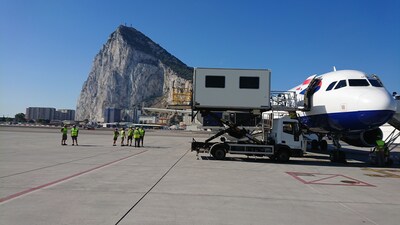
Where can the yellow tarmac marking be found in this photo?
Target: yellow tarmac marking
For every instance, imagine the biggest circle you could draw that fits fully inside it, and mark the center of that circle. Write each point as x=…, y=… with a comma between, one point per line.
x=391, y=173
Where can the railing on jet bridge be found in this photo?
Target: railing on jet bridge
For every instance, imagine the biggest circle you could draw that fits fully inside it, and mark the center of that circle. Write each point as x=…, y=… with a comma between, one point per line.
x=284, y=100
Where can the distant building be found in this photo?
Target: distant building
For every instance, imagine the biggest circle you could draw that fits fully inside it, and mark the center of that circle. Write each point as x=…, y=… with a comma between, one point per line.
x=64, y=114
x=112, y=115
x=46, y=113
x=42, y=113
x=147, y=119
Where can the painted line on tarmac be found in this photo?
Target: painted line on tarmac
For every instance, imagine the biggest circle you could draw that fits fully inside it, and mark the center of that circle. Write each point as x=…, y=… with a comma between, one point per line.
x=328, y=179
x=19, y=194
x=54, y=165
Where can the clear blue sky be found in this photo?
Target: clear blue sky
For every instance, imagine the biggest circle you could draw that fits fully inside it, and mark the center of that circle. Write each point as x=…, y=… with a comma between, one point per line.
x=47, y=47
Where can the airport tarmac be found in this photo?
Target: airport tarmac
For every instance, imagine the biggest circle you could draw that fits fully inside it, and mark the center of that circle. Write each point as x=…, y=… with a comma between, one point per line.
x=42, y=182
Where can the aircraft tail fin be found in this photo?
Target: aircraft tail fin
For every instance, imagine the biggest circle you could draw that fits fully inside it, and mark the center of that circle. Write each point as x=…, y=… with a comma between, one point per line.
x=299, y=89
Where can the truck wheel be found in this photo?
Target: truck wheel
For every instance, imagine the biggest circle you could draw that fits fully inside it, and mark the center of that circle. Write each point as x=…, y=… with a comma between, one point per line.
x=212, y=152
x=323, y=145
x=283, y=155
x=219, y=154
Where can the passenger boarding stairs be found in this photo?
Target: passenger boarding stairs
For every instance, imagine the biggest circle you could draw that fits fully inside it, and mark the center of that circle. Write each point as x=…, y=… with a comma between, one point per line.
x=390, y=140
x=394, y=122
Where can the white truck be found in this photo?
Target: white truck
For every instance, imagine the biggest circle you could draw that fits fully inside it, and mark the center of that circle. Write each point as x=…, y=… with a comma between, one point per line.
x=218, y=90
x=278, y=137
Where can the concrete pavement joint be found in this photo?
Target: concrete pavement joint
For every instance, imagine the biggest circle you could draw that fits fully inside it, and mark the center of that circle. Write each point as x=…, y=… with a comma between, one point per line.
x=159, y=180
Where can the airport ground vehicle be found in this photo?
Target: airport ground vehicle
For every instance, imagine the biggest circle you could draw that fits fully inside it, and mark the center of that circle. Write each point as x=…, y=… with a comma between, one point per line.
x=278, y=138
x=244, y=90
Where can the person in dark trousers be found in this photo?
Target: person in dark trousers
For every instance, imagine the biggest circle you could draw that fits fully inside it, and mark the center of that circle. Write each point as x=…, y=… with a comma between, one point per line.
x=136, y=136
x=64, y=132
x=74, y=134
x=141, y=132
x=123, y=136
x=116, y=134
x=130, y=136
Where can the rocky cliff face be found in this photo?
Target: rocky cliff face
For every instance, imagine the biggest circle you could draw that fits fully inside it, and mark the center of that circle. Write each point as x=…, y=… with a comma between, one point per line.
x=130, y=70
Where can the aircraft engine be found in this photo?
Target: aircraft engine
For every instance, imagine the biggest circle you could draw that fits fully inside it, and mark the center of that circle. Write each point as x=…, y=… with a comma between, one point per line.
x=363, y=139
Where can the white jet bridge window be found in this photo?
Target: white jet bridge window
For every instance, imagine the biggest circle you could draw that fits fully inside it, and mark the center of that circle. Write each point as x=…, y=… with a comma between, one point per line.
x=215, y=81
x=341, y=84
x=249, y=83
x=358, y=82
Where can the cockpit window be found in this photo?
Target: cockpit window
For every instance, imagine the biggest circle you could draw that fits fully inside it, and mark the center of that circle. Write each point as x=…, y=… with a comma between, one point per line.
x=341, y=84
x=358, y=82
x=331, y=86
x=375, y=83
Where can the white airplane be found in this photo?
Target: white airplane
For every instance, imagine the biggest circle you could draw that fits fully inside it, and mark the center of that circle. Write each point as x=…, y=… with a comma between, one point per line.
x=348, y=105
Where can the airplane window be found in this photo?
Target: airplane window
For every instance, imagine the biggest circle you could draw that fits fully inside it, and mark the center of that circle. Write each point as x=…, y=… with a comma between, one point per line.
x=341, y=84
x=358, y=82
x=375, y=83
x=331, y=86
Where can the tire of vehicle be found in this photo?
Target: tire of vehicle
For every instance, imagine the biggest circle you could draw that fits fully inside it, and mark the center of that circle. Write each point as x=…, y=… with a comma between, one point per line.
x=219, y=154
x=283, y=154
x=212, y=152
x=323, y=145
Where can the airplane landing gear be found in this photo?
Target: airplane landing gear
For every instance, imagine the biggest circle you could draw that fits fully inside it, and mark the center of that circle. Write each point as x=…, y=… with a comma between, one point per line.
x=337, y=155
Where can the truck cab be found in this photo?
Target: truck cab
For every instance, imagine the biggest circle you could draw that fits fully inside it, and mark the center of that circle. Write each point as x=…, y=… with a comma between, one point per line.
x=286, y=131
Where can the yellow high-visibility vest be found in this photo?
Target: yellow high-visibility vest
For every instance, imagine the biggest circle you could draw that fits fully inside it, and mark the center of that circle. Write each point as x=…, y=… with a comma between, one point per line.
x=136, y=134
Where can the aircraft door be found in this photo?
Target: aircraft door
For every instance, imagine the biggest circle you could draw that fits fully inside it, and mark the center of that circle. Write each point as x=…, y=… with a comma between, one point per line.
x=308, y=94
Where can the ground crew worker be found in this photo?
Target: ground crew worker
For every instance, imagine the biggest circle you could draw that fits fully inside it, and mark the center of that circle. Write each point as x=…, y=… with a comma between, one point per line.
x=136, y=136
x=116, y=134
x=64, y=132
x=123, y=136
x=380, y=152
x=141, y=132
x=130, y=136
x=74, y=134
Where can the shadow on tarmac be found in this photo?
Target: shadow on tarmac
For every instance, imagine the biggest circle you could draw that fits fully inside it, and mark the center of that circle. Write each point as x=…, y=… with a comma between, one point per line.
x=355, y=158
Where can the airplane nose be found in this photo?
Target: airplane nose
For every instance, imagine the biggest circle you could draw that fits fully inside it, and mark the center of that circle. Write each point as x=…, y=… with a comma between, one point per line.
x=377, y=106
x=376, y=100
